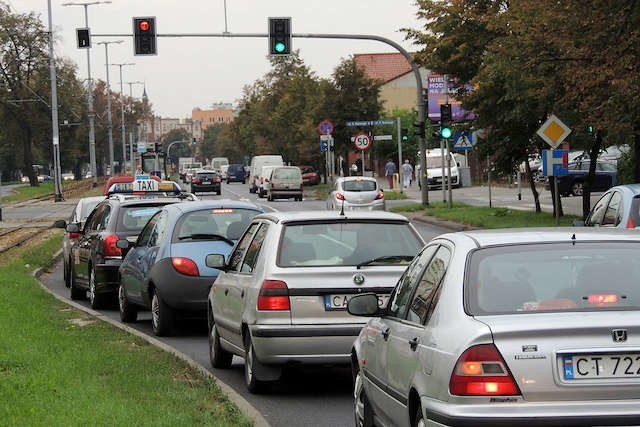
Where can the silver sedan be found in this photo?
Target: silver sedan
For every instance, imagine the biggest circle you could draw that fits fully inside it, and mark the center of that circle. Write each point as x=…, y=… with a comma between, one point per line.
x=506, y=327
x=354, y=193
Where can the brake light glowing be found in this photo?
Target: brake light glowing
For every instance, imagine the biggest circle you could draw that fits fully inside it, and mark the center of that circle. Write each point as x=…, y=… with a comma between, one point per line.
x=481, y=371
x=601, y=299
x=195, y=181
x=274, y=296
x=222, y=211
x=216, y=179
x=185, y=266
x=380, y=196
x=110, y=248
x=339, y=196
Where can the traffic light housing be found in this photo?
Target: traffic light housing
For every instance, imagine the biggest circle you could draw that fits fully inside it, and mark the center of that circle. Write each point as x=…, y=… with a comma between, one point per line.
x=445, y=119
x=195, y=140
x=144, y=36
x=418, y=129
x=158, y=147
x=84, y=38
x=404, y=134
x=279, y=36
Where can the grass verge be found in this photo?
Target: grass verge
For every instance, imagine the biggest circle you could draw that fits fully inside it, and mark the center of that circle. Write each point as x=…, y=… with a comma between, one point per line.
x=61, y=367
x=486, y=217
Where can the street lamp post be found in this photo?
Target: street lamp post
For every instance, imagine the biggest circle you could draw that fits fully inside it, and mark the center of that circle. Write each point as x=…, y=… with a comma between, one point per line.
x=130, y=133
x=123, y=137
x=57, y=180
x=92, y=132
x=109, y=119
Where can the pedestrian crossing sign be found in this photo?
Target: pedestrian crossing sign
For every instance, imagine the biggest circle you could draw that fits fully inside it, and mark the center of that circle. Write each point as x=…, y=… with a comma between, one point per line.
x=462, y=142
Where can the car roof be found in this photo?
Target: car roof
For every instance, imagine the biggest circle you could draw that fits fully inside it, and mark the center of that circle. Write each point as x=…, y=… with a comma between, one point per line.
x=357, y=178
x=507, y=236
x=632, y=188
x=214, y=204
x=332, y=215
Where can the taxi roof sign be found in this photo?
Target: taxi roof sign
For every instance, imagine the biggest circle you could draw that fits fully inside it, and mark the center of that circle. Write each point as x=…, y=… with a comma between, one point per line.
x=144, y=186
x=553, y=131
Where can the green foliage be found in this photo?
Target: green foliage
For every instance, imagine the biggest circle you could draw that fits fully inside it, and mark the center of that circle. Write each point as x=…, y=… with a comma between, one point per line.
x=60, y=367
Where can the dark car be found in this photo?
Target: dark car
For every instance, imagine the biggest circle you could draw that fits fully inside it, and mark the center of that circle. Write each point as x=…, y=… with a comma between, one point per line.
x=310, y=176
x=573, y=183
x=165, y=269
x=236, y=173
x=95, y=258
x=206, y=180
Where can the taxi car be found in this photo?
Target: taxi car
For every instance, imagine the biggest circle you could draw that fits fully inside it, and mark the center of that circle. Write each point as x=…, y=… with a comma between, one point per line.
x=95, y=258
x=165, y=271
x=526, y=327
x=281, y=296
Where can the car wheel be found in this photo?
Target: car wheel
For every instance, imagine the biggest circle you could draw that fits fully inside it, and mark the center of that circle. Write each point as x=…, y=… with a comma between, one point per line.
x=228, y=181
x=67, y=279
x=253, y=384
x=219, y=357
x=361, y=406
x=577, y=188
x=128, y=311
x=76, y=293
x=96, y=300
x=418, y=419
x=161, y=316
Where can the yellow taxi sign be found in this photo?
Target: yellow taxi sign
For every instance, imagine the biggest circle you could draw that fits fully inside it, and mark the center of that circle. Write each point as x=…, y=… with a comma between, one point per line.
x=553, y=131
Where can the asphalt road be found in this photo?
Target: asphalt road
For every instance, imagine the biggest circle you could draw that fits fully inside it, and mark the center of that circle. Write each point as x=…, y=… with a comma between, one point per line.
x=305, y=397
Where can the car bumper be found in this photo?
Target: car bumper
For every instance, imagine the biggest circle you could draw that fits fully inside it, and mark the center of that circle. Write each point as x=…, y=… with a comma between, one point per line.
x=437, y=181
x=308, y=344
x=367, y=207
x=285, y=193
x=204, y=188
x=182, y=292
x=586, y=413
x=107, y=276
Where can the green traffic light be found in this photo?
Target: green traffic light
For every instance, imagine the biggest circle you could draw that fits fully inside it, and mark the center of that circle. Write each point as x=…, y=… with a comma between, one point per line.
x=445, y=132
x=280, y=47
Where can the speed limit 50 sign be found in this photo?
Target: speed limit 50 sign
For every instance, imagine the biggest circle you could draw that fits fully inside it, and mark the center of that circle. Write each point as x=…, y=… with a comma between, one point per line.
x=362, y=141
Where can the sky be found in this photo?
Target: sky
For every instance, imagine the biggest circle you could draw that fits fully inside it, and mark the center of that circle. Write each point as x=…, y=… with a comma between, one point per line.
x=192, y=72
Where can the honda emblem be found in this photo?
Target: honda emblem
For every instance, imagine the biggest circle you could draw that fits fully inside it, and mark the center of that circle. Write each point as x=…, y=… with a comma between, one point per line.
x=619, y=335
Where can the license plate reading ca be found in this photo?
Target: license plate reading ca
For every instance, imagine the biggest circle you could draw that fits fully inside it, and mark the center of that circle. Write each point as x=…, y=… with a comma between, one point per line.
x=339, y=301
x=590, y=366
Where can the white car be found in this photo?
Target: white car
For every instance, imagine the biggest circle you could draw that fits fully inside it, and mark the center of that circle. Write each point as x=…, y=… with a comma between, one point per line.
x=356, y=193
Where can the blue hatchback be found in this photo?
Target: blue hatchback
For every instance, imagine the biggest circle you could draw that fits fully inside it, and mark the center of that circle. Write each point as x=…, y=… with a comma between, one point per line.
x=235, y=173
x=165, y=269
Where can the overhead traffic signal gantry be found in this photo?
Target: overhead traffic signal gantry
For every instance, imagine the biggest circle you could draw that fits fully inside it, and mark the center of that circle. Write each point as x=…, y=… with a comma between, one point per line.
x=144, y=36
x=279, y=36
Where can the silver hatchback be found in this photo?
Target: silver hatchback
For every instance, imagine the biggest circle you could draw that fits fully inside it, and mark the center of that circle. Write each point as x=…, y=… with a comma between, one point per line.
x=281, y=297
x=532, y=327
x=354, y=193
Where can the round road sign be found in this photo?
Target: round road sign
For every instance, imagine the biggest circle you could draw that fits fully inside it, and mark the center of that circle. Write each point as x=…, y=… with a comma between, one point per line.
x=325, y=127
x=362, y=141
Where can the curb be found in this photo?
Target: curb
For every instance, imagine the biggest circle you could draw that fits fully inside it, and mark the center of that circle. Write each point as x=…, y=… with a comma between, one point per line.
x=232, y=395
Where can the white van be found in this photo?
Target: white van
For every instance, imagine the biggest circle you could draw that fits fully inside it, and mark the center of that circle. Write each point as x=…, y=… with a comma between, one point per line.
x=217, y=162
x=434, y=168
x=263, y=179
x=257, y=163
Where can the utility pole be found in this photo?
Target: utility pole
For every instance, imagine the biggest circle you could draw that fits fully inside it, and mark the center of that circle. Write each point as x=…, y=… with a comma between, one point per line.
x=57, y=174
x=91, y=114
x=109, y=118
x=122, y=135
x=131, y=157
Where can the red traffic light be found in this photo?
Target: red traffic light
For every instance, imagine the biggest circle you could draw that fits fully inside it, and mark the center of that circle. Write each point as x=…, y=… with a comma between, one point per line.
x=143, y=25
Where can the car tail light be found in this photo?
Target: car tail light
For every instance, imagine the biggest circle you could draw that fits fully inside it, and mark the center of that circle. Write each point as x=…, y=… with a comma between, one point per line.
x=380, y=196
x=110, y=248
x=195, y=181
x=274, y=295
x=273, y=186
x=602, y=299
x=339, y=196
x=481, y=371
x=216, y=179
x=74, y=235
x=185, y=266
x=261, y=180
x=630, y=223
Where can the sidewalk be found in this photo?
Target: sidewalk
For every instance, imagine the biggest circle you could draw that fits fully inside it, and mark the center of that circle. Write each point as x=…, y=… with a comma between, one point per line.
x=496, y=196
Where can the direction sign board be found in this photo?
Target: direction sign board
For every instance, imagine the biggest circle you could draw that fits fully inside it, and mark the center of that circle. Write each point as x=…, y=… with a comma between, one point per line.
x=362, y=141
x=555, y=162
x=371, y=123
x=325, y=127
x=462, y=142
x=142, y=146
x=553, y=131
x=383, y=137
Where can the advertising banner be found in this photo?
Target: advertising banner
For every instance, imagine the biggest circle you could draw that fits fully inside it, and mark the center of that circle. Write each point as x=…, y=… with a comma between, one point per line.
x=436, y=95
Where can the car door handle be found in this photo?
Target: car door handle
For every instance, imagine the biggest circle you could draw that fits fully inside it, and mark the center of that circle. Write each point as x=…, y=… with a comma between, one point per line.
x=242, y=294
x=385, y=334
x=226, y=291
x=413, y=344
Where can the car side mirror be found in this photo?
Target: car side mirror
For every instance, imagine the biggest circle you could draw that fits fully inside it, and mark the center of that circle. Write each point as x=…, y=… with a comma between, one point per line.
x=364, y=305
x=215, y=261
x=61, y=223
x=123, y=244
x=73, y=227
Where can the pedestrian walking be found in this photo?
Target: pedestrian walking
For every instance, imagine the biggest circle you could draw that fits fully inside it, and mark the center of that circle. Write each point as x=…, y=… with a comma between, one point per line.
x=389, y=171
x=407, y=172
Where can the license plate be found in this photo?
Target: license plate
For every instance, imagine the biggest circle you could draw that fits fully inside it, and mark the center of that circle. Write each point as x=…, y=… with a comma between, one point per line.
x=206, y=182
x=339, y=301
x=590, y=366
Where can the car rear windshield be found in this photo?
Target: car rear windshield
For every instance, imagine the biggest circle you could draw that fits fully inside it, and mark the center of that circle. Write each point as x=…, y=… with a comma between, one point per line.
x=359, y=185
x=207, y=175
x=234, y=167
x=347, y=243
x=553, y=277
x=211, y=223
x=288, y=173
x=134, y=218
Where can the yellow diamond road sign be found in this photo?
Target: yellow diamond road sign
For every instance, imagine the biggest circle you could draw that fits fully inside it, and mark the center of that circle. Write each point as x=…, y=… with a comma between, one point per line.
x=553, y=131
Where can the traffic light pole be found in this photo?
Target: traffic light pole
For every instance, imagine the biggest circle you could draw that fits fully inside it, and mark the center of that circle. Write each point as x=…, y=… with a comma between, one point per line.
x=400, y=154
x=414, y=67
